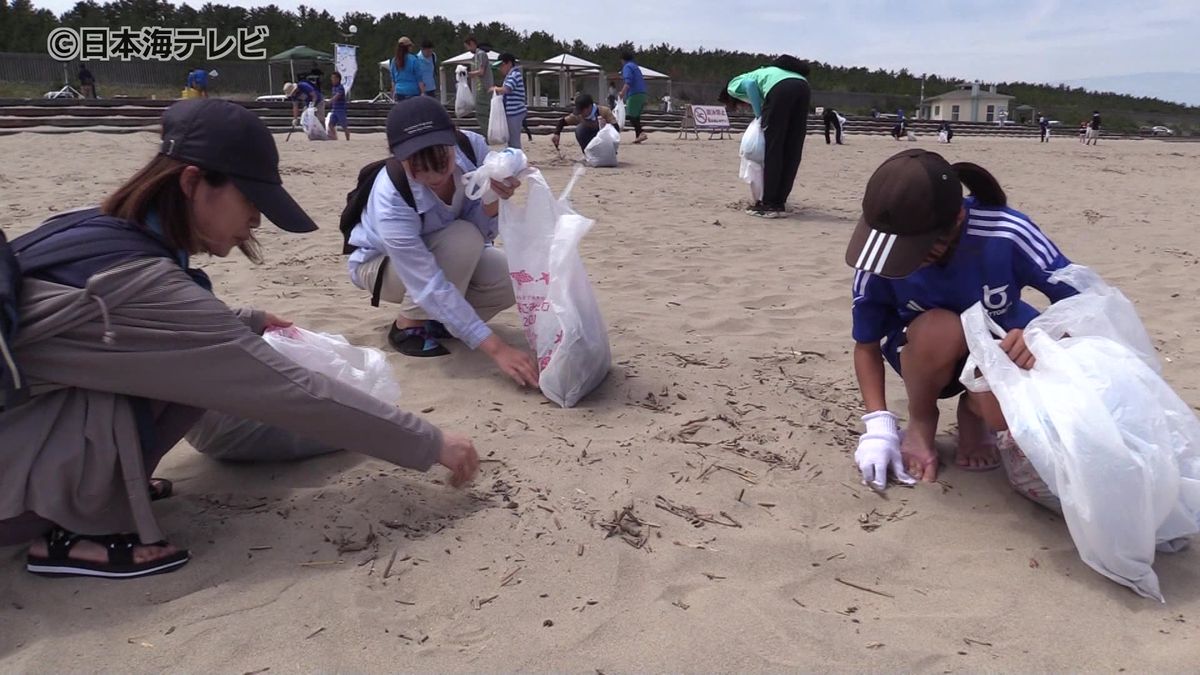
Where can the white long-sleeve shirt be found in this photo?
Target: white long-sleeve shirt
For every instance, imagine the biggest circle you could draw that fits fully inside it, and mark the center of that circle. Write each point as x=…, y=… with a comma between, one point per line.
x=391, y=227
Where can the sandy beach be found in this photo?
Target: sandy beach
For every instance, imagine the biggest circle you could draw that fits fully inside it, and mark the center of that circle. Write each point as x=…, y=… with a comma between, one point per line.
x=731, y=398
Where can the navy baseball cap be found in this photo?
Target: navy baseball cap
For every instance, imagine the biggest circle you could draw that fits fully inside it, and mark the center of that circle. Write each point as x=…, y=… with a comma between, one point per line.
x=223, y=136
x=418, y=123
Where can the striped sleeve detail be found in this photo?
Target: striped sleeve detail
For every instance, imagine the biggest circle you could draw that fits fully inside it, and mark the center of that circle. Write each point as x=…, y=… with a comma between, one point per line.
x=1023, y=233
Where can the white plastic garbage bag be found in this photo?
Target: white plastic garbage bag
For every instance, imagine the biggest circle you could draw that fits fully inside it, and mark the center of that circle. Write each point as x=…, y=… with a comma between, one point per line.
x=497, y=122
x=753, y=151
x=311, y=125
x=1108, y=436
x=464, y=98
x=555, y=301
x=619, y=112
x=754, y=142
x=363, y=368
x=602, y=150
x=498, y=165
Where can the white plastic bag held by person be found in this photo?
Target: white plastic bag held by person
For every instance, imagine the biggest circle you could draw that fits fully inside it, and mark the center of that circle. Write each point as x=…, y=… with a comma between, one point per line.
x=363, y=368
x=555, y=301
x=602, y=150
x=311, y=125
x=497, y=122
x=464, y=98
x=753, y=151
x=619, y=112
x=1108, y=436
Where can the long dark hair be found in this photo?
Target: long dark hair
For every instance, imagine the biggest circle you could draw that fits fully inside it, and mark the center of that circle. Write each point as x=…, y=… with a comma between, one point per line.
x=401, y=55
x=157, y=187
x=792, y=64
x=982, y=184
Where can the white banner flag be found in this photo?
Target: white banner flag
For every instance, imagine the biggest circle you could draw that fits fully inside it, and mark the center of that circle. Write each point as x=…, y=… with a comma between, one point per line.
x=345, y=60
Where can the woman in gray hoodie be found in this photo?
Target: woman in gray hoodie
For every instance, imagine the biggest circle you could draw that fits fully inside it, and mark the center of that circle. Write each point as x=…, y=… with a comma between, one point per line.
x=122, y=347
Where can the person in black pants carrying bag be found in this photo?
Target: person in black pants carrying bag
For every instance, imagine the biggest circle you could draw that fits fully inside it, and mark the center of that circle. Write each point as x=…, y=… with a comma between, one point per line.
x=779, y=94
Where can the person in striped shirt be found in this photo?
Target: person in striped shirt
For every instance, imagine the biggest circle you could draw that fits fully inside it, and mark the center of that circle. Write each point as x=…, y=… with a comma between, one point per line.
x=513, y=89
x=924, y=254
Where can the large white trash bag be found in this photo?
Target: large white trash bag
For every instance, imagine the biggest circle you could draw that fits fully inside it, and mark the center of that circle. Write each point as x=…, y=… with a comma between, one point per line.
x=497, y=122
x=555, y=301
x=752, y=152
x=1107, y=435
x=754, y=143
x=602, y=150
x=619, y=112
x=464, y=98
x=363, y=368
x=311, y=125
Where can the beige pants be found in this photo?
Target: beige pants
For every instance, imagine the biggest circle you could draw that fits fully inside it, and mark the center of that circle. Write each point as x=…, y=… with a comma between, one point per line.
x=479, y=272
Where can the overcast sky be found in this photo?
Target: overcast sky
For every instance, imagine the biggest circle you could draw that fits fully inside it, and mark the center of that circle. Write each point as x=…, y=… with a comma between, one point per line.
x=1032, y=40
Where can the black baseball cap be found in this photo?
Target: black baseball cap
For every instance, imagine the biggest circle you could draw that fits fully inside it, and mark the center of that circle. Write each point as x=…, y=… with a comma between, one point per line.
x=912, y=200
x=418, y=123
x=223, y=136
x=506, y=57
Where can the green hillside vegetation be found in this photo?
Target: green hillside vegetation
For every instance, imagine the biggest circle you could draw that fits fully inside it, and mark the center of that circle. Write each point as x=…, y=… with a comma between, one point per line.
x=698, y=74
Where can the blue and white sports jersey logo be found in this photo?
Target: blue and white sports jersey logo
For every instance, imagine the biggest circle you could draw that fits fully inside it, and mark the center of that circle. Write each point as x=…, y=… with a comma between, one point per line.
x=995, y=300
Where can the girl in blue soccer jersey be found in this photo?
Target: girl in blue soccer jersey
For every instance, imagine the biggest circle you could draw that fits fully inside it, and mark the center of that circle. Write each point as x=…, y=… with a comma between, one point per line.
x=924, y=255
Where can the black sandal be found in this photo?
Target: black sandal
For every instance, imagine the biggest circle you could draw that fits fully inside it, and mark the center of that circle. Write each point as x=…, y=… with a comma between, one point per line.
x=415, y=342
x=437, y=330
x=161, y=488
x=59, y=563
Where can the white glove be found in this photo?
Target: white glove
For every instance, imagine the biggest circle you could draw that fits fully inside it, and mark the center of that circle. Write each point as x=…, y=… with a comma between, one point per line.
x=879, y=450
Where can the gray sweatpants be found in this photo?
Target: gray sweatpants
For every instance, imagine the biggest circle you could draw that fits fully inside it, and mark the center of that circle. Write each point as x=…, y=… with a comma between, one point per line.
x=515, y=122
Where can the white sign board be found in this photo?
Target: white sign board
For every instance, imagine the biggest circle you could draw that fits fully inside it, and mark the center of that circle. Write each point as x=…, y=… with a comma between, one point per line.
x=710, y=117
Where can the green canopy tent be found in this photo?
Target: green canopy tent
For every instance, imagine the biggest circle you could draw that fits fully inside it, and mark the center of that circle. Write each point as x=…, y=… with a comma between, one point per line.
x=291, y=56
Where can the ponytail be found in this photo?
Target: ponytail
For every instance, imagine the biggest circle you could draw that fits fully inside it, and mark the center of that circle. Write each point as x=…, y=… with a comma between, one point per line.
x=982, y=184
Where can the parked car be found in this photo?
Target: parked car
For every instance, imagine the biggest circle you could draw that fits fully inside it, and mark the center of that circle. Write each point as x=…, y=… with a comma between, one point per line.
x=1054, y=123
x=1161, y=131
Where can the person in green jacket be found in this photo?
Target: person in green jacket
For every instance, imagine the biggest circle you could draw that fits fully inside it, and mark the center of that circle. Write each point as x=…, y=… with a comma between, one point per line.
x=779, y=95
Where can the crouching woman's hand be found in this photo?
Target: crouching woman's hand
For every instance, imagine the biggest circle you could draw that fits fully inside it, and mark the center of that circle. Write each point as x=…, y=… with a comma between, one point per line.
x=459, y=456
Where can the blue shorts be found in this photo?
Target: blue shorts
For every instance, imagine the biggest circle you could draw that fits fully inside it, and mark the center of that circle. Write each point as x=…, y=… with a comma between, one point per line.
x=338, y=119
x=897, y=340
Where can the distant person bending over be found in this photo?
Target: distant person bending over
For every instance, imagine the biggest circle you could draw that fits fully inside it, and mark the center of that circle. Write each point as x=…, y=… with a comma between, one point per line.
x=302, y=94
x=1093, y=130
x=481, y=75
x=513, y=90
x=924, y=255
x=833, y=122
x=588, y=118
x=946, y=132
x=337, y=101
x=406, y=72
x=423, y=244
x=87, y=82
x=779, y=97
x=633, y=92
x=197, y=82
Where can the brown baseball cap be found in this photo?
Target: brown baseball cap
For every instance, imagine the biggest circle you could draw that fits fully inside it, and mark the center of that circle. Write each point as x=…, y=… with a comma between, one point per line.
x=911, y=201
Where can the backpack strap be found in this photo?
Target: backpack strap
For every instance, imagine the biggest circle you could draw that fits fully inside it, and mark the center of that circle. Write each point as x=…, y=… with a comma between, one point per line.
x=399, y=178
x=464, y=144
